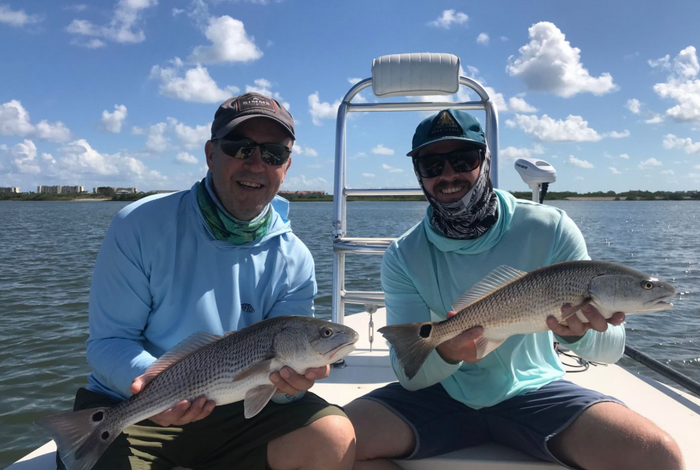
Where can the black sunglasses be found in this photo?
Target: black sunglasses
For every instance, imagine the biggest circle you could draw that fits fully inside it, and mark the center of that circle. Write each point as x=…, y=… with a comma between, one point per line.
x=461, y=161
x=271, y=153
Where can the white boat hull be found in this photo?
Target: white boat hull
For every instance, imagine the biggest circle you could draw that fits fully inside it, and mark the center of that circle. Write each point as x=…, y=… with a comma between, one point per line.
x=673, y=410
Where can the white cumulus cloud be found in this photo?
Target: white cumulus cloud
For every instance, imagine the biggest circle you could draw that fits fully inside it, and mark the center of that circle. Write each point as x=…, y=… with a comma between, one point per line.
x=633, y=105
x=123, y=27
x=322, y=110
x=186, y=158
x=190, y=137
x=448, y=18
x=17, y=17
x=195, y=86
x=679, y=143
x=112, y=122
x=14, y=120
x=482, y=39
x=549, y=63
x=513, y=153
x=369, y=175
x=546, y=129
x=23, y=157
x=230, y=43
x=382, y=150
x=617, y=135
x=649, y=163
x=391, y=169
x=614, y=170
x=682, y=84
x=580, y=163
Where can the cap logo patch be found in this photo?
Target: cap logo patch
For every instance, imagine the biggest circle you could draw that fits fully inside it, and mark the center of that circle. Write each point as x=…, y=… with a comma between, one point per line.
x=445, y=125
x=256, y=102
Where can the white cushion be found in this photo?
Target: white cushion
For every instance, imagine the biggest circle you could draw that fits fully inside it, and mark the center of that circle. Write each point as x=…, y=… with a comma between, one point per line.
x=415, y=74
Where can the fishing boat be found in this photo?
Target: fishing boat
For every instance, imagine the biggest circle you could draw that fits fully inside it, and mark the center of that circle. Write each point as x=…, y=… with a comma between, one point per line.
x=369, y=367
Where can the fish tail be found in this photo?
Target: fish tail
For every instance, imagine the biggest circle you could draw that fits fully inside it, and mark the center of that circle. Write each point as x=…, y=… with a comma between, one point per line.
x=81, y=436
x=412, y=343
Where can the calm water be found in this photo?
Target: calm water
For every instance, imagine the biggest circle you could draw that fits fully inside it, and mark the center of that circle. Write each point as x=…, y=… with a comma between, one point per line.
x=47, y=251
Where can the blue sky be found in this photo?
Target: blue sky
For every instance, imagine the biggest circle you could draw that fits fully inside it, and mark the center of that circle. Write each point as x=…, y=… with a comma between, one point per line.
x=122, y=93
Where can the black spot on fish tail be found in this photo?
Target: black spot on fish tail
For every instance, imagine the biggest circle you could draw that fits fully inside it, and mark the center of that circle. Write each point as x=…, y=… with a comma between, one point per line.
x=98, y=416
x=425, y=331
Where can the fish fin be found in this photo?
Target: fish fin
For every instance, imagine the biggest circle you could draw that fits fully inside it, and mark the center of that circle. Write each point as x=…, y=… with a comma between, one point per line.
x=184, y=348
x=80, y=437
x=569, y=312
x=259, y=368
x=412, y=343
x=493, y=281
x=485, y=345
x=256, y=398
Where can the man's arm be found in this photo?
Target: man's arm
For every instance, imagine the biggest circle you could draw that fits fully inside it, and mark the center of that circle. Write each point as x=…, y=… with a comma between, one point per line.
x=119, y=306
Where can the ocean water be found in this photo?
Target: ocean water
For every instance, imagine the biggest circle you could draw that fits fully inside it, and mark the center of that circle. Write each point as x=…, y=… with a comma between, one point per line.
x=47, y=251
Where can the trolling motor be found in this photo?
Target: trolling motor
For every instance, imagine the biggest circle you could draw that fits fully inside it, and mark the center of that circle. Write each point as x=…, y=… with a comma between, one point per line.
x=537, y=174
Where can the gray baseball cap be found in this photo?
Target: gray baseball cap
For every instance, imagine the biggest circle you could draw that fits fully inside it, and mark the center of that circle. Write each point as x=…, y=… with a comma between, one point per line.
x=238, y=109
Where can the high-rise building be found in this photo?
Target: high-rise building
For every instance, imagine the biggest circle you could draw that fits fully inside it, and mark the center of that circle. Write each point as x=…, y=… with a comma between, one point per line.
x=60, y=189
x=12, y=189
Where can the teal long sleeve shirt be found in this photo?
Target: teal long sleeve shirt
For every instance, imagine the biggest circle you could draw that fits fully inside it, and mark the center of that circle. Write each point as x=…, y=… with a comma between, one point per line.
x=423, y=272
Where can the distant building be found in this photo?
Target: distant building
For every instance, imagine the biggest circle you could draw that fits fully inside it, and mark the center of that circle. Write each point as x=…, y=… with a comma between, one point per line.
x=60, y=189
x=11, y=189
x=125, y=191
x=110, y=191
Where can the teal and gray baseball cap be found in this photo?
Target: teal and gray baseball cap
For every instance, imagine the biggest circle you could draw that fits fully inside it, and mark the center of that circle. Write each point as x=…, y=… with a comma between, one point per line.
x=448, y=124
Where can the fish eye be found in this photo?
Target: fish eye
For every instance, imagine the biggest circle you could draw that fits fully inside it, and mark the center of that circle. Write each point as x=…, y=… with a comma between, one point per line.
x=326, y=332
x=647, y=285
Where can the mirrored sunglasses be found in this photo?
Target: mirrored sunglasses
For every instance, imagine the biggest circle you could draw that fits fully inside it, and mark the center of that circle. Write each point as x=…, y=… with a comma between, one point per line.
x=461, y=161
x=271, y=153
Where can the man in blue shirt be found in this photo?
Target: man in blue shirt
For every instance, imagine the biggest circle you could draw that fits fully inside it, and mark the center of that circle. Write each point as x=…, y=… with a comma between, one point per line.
x=216, y=258
x=515, y=395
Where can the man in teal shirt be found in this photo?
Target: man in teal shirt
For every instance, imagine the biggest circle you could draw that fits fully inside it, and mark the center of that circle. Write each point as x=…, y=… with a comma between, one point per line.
x=516, y=395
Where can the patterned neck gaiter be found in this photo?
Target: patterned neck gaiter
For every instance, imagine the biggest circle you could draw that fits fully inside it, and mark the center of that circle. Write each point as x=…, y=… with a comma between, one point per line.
x=471, y=216
x=227, y=228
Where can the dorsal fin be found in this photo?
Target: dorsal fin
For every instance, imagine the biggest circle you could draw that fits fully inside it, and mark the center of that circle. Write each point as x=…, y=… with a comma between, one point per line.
x=181, y=350
x=496, y=279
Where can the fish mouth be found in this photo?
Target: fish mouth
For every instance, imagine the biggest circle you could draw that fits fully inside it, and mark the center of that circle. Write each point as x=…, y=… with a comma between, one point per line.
x=661, y=303
x=342, y=350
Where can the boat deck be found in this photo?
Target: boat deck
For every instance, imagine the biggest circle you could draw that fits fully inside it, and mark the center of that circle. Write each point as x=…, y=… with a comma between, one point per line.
x=673, y=410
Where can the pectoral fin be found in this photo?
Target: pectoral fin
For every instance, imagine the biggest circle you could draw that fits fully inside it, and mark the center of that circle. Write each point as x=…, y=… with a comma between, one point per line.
x=256, y=398
x=569, y=312
x=485, y=345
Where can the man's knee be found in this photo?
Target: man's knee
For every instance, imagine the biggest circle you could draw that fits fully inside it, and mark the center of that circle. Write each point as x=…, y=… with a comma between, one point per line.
x=662, y=451
x=380, y=433
x=328, y=442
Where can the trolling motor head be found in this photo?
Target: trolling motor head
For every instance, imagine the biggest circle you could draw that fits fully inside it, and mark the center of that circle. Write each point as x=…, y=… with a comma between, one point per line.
x=536, y=173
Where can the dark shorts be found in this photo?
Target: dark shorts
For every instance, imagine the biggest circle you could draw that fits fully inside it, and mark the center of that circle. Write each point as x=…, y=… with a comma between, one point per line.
x=223, y=440
x=526, y=422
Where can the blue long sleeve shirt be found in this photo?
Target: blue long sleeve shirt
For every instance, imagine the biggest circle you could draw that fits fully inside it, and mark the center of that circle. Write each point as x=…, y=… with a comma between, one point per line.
x=423, y=272
x=161, y=276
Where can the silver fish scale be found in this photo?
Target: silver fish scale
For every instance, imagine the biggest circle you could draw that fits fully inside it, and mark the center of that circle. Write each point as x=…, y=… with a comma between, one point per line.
x=205, y=372
x=528, y=301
